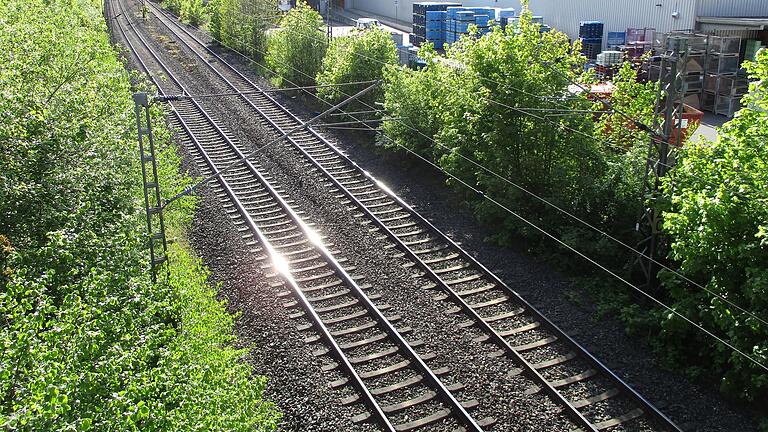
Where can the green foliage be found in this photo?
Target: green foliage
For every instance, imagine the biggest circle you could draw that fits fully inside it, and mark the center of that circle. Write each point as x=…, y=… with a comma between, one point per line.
x=296, y=50
x=242, y=24
x=482, y=104
x=361, y=56
x=87, y=341
x=193, y=11
x=718, y=223
x=174, y=6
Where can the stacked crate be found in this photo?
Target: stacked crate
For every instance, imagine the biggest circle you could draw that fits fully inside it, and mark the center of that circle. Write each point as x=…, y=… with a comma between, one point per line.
x=505, y=16
x=435, y=26
x=483, y=23
x=723, y=88
x=696, y=46
x=420, y=22
x=608, y=63
x=638, y=42
x=591, y=36
x=459, y=19
x=616, y=40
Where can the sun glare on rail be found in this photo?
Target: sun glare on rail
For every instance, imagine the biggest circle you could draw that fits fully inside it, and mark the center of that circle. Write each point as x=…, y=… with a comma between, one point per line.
x=314, y=237
x=281, y=265
x=384, y=187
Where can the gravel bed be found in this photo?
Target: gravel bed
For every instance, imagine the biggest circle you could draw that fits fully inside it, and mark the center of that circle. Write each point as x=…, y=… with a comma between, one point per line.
x=296, y=382
x=504, y=398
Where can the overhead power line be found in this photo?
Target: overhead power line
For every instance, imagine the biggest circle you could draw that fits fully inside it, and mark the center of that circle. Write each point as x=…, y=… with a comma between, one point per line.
x=545, y=201
x=562, y=243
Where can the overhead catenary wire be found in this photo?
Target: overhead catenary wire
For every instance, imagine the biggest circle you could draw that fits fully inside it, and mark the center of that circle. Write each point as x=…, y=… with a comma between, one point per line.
x=180, y=97
x=589, y=259
x=302, y=125
x=545, y=201
x=580, y=220
x=368, y=128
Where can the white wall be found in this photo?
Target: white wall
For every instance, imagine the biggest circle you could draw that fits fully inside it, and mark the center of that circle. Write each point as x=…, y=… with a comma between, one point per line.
x=618, y=15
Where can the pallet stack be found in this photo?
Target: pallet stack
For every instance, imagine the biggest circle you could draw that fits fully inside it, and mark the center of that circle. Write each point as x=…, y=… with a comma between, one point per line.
x=505, y=16
x=608, y=63
x=436, y=28
x=723, y=88
x=591, y=36
x=420, y=22
x=638, y=42
x=616, y=40
x=459, y=19
x=695, y=68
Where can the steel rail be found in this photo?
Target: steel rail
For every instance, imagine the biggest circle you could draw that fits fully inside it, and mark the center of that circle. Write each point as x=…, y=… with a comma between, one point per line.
x=336, y=350
x=648, y=407
x=458, y=410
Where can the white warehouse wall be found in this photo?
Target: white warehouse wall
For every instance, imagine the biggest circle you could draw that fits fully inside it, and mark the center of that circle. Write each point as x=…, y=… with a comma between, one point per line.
x=618, y=15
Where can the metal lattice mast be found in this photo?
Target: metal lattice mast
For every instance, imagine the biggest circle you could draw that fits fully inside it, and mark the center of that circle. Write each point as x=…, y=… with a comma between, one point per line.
x=670, y=106
x=158, y=247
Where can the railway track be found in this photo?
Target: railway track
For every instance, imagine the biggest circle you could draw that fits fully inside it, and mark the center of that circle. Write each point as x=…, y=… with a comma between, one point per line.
x=399, y=390
x=592, y=395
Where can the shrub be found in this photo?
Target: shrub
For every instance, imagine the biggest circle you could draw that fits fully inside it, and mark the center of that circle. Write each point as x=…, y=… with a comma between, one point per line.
x=296, y=49
x=476, y=105
x=193, y=11
x=359, y=57
x=88, y=342
x=242, y=24
x=718, y=224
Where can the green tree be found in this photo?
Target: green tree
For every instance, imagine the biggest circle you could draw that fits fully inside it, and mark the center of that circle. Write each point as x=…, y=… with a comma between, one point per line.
x=193, y=11
x=242, y=25
x=362, y=56
x=296, y=49
x=718, y=226
x=483, y=103
x=87, y=341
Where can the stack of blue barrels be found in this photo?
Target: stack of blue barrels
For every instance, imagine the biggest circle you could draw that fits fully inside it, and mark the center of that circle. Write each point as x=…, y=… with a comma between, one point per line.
x=430, y=27
x=591, y=35
x=506, y=16
x=459, y=19
x=436, y=28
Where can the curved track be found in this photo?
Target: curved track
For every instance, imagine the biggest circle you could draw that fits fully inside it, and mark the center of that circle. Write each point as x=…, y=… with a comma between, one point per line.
x=588, y=391
x=399, y=390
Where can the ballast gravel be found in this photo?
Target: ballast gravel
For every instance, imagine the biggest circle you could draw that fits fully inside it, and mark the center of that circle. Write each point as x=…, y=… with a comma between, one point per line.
x=299, y=386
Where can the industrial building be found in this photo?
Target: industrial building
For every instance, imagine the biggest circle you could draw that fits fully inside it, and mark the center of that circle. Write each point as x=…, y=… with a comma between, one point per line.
x=721, y=34
x=743, y=17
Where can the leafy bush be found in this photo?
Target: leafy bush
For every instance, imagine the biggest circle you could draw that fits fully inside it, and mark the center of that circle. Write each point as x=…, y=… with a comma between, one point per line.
x=193, y=11
x=296, y=50
x=361, y=56
x=718, y=224
x=174, y=6
x=242, y=24
x=87, y=341
x=482, y=103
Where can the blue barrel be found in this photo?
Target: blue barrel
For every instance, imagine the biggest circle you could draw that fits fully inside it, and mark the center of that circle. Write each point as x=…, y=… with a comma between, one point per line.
x=616, y=38
x=436, y=16
x=466, y=16
x=506, y=13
